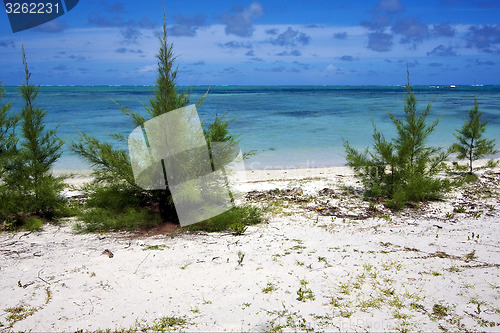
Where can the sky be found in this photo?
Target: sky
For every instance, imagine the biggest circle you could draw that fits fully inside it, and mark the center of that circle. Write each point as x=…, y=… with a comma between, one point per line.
x=262, y=42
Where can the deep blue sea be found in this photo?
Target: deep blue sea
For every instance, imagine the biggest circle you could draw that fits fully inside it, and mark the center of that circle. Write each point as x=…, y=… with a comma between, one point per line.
x=288, y=126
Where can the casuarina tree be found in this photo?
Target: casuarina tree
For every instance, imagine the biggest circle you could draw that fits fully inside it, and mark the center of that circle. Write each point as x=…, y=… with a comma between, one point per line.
x=471, y=145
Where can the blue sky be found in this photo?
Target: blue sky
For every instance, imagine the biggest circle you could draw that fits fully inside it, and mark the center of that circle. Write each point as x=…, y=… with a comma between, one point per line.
x=267, y=42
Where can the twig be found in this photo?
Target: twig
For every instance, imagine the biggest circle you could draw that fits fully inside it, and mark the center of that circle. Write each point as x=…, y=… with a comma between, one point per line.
x=42, y=278
x=142, y=262
x=91, y=311
x=26, y=234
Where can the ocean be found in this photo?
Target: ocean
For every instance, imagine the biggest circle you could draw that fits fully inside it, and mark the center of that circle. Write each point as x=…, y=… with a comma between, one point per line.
x=287, y=126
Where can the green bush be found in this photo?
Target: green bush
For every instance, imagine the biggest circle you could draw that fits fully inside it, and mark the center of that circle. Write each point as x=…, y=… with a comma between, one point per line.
x=405, y=168
x=242, y=215
x=102, y=219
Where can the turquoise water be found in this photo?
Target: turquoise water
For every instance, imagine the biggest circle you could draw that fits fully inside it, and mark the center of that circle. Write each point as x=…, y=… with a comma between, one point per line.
x=288, y=126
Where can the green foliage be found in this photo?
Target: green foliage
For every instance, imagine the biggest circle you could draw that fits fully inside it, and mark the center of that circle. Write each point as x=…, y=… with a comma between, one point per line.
x=238, y=228
x=440, y=310
x=100, y=219
x=491, y=164
x=404, y=168
x=28, y=188
x=113, y=208
x=8, y=139
x=33, y=224
x=269, y=288
x=471, y=145
x=244, y=215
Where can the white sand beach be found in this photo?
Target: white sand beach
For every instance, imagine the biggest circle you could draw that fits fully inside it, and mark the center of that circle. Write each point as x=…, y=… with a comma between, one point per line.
x=324, y=260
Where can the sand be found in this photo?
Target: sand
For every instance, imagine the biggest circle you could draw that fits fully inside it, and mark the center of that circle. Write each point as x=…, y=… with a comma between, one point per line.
x=317, y=263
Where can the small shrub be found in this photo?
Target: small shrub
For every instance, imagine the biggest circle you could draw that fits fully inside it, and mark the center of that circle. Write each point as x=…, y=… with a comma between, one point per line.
x=305, y=293
x=269, y=288
x=33, y=224
x=18, y=313
x=166, y=324
x=440, y=310
x=471, y=145
x=405, y=168
x=470, y=178
x=238, y=228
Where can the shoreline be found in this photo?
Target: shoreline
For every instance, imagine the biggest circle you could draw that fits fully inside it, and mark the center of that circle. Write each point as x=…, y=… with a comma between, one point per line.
x=261, y=175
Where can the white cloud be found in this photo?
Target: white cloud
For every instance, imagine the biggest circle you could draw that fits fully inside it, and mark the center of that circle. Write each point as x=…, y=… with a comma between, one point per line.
x=146, y=69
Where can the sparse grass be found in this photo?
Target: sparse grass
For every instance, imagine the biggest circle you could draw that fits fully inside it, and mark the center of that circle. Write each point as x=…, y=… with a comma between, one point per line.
x=416, y=306
x=475, y=215
x=304, y=293
x=478, y=303
x=166, y=324
x=387, y=265
x=388, y=291
x=454, y=269
x=468, y=285
x=367, y=267
x=470, y=256
x=345, y=288
x=440, y=311
x=494, y=286
x=372, y=302
x=396, y=302
x=346, y=313
x=336, y=302
x=401, y=316
x=241, y=256
x=285, y=319
x=269, y=288
x=154, y=248
x=360, y=280
x=33, y=224
x=238, y=228
x=18, y=313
